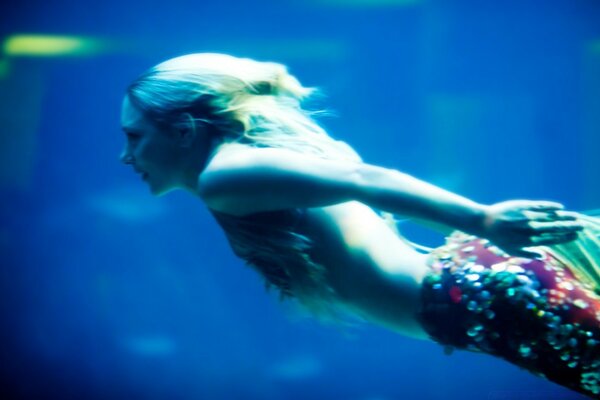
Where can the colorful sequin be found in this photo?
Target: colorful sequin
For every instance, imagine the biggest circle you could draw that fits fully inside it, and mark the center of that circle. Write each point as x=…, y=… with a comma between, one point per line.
x=531, y=312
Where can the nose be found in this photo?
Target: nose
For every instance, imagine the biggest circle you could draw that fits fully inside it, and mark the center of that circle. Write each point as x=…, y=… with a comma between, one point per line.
x=126, y=158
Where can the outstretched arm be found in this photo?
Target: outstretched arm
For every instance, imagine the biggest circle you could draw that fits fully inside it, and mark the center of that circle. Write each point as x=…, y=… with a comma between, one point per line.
x=246, y=180
x=250, y=180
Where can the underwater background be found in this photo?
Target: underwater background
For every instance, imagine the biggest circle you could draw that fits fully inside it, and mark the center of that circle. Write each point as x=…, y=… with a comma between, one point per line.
x=108, y=292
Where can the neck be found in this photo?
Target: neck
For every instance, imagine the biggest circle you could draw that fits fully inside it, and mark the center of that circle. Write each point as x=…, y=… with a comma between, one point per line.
x=194, y=167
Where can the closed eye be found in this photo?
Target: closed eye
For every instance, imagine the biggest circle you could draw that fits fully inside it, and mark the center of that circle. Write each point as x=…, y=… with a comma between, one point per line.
x=132, y=135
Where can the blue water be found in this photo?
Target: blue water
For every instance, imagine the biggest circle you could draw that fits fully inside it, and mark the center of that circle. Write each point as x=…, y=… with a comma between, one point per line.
x=107, y=292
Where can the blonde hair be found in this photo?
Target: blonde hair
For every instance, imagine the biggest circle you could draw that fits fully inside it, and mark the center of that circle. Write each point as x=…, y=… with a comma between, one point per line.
x=247, y=101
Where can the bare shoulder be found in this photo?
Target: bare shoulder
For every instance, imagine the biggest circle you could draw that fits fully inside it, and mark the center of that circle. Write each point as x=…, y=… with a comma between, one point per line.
x=223, y=157
x=242, y=179
x=228, y=161
x=237, y=177
x=228, y=156
x=225, y=153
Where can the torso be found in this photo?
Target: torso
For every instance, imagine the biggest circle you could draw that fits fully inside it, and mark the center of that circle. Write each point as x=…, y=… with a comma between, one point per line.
x=374, y=273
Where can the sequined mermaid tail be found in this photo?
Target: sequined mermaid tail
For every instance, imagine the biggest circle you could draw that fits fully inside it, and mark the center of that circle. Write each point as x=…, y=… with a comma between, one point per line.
x=537, y=314
x=582, y=256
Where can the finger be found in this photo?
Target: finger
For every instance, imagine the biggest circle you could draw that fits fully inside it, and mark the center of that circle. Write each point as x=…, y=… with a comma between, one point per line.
x=557, y=236
x=555, y=226
x=547, y=240
x=567, y=215
x=549, y=216
x=545, y=206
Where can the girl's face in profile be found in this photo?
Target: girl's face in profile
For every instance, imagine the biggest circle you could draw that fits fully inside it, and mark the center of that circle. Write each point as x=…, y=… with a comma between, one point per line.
x=152, y=153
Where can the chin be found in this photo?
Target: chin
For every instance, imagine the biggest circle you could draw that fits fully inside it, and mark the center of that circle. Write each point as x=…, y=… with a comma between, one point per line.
x=158, y=192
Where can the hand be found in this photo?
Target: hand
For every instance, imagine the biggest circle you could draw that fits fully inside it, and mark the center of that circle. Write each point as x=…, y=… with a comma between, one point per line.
x=512, y=225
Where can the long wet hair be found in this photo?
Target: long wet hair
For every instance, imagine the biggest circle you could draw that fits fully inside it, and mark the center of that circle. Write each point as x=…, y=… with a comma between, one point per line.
x=242, y=100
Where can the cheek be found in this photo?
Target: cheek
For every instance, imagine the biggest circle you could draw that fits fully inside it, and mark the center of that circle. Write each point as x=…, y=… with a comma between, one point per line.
x=159, y=156
x=146, y=152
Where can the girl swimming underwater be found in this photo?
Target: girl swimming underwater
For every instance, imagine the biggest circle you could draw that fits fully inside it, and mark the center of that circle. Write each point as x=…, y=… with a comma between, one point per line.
x=517, y=279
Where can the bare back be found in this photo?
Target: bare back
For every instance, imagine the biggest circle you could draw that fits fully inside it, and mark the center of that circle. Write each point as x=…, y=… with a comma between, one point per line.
x=374, y=272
